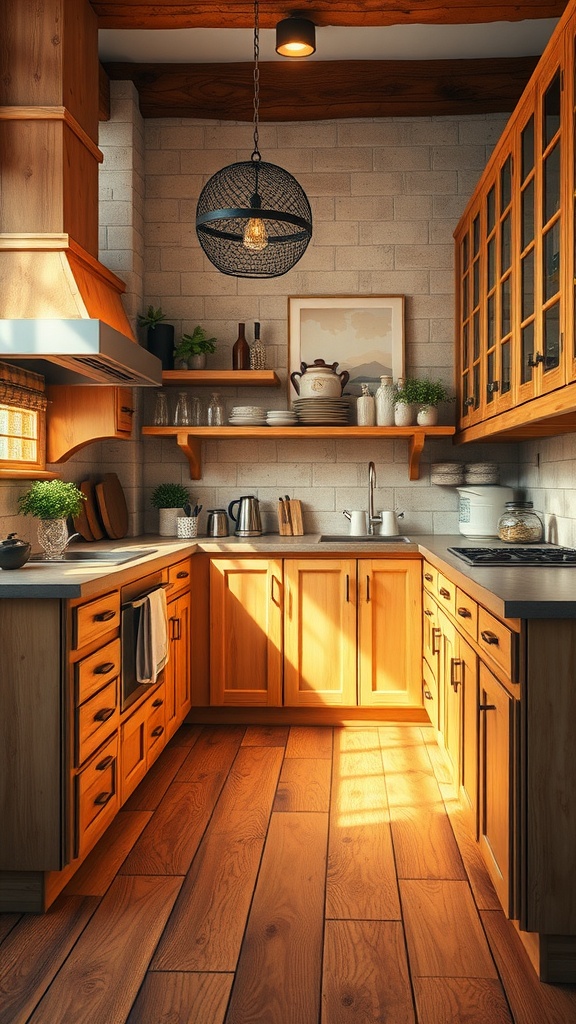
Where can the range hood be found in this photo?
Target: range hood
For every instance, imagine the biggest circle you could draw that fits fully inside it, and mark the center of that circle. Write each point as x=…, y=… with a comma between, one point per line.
x=63, y=315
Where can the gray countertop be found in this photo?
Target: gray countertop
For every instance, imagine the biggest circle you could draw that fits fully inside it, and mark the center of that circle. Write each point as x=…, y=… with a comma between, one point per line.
x=510, y=592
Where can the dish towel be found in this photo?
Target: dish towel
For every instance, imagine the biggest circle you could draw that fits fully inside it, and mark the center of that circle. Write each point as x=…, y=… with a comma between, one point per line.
x=152, y=637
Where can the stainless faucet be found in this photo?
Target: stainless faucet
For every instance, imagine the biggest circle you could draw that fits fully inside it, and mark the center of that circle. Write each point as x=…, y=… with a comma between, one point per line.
x=372, y=518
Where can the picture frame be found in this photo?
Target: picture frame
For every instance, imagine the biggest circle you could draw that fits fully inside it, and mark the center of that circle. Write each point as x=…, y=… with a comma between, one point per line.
x=364, y=334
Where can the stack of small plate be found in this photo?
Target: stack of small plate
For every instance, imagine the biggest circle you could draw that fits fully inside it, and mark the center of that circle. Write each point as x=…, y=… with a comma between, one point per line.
x=247, y=416
x=447, y=474
x=322, y=412
x=281, y=418
x=482, y=473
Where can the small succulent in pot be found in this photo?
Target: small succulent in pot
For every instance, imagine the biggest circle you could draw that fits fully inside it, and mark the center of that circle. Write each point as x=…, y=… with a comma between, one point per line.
x=160, y=336
x=151, y=317
x=191, y=352
x=170, y=499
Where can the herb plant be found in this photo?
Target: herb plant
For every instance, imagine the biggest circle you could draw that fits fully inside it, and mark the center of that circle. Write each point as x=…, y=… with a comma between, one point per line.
x=51, y=499
x=422, y=392
x=151, y=317
x=194, y=344
x=170, y=496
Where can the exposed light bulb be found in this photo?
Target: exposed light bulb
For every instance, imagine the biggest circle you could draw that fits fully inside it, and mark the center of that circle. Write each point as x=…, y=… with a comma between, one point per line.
x=255, y=235
x=296, y=49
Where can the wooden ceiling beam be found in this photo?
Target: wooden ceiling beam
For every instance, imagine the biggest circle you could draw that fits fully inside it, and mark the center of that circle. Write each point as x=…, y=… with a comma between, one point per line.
x=165, y=14
x=329, y=89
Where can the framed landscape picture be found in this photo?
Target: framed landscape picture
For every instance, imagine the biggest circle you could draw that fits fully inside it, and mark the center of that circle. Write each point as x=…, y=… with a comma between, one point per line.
x=363, y=334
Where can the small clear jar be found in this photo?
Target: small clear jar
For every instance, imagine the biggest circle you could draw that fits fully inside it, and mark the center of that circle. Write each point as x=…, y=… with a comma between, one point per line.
x=519, y=524
x=216, y=411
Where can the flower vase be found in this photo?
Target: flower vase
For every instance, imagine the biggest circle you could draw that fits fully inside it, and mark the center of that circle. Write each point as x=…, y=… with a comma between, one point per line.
x=427, y=416
x=52, y=537
x=403, y=414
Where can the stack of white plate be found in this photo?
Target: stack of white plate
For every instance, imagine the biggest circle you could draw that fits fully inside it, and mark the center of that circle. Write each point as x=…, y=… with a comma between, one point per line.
x=322, y=412
x=281, y=418
x=247, y=416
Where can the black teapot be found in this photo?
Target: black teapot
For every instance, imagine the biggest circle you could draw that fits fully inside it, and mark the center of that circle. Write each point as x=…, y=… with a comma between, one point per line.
x=14, y=553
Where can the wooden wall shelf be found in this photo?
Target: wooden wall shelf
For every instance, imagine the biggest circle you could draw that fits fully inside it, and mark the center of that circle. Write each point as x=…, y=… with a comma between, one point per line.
x=221, y=378
x=189, y=439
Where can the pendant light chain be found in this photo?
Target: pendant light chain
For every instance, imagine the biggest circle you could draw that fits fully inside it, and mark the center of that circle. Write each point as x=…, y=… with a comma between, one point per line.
x=256, y=156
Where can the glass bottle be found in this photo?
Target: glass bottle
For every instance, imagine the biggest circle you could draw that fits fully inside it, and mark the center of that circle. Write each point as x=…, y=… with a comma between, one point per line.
x=365, y=409
x=182, y=412
x=519, y=524
x=385, y=403
x=241, y=351
x=161, y=410
x=258, y=351
x=216, y=411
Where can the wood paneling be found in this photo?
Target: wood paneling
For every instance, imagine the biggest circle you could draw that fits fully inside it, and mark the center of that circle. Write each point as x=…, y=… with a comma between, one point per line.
x=355, y=987
x=182, y=998
x=329, y=89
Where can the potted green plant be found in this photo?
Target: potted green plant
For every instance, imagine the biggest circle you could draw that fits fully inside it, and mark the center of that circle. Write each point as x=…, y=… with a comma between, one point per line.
x=191, y=352
x=422, y=395
x=51, y=502
x=170, y=500
x=160, y=336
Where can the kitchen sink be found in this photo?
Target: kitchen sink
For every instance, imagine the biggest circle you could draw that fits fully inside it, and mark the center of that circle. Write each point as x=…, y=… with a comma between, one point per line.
x=348, y=538
x=96, y=557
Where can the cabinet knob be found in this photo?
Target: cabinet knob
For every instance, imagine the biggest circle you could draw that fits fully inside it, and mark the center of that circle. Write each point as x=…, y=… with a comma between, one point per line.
x=428, y=577
x=428, y=613
x=427, y=695
x=470, y=401
x=487, y=707
x=157, y=703
x=489, y=638
x=104, y=714
x=464, y=613
x=158, y=730
x=493, y=386
x=103, y=765
x=182, y=575
x=103, y=799
x=444, y=593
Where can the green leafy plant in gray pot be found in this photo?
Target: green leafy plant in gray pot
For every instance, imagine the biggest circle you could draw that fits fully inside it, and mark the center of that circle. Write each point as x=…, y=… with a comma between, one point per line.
x=423, y=396
x=52, y=502
x=191, y=352
x=160, y=335
x=170, y=500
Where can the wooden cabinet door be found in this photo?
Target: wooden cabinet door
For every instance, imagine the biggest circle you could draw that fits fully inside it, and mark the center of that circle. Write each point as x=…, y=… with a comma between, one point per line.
x=468, y=673
x=389, y=632
x=430, y=634
x=496, y=807
x=177, y=675
x=246, y=631
x=450, y=686
x=320, y=632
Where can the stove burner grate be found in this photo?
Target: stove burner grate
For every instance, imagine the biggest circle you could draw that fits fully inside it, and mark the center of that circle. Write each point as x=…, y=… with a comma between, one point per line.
x=530, y=556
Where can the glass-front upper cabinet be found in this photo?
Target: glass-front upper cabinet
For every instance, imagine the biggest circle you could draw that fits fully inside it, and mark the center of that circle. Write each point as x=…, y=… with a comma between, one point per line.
x=469, y=311
x=500, y=288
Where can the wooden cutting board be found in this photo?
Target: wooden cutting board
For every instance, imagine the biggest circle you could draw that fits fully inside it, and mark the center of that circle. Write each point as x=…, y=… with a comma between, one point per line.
x=112, y=506
x=88, y=522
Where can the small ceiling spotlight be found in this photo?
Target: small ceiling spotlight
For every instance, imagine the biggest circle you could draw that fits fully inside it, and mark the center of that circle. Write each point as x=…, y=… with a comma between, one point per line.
x=295, y=37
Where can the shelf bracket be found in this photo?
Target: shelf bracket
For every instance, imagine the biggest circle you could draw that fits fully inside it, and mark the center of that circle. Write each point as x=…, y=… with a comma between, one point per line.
x=416, y=446
x=192, y=448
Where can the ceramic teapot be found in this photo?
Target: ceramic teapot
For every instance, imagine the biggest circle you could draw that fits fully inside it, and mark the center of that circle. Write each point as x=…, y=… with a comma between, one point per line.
x=319, y=380
x=14, y=553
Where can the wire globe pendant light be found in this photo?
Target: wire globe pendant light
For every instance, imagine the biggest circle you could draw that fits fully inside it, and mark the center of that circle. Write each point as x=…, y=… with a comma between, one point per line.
x=253, y=219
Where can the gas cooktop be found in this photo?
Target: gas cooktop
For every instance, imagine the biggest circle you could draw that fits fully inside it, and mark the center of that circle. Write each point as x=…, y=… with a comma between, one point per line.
x=516, y=556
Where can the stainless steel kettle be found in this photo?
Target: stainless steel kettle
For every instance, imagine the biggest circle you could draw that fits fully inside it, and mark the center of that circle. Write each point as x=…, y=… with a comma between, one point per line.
x=248, y=523
x=217, y=524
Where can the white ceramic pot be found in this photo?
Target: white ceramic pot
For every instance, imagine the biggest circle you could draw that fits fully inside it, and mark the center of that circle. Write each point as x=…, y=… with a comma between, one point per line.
x=403, y=414
x=169, y=521
x=427, y=416
x=319, y=380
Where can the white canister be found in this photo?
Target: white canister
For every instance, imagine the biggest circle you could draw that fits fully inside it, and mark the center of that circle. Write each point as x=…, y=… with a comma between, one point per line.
x=365, y=408
x=479, y=509
x=168, y=521
x=385, y=403
x=388, y=524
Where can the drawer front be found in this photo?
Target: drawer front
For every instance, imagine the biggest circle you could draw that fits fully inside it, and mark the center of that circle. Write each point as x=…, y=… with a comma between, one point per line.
x=156, y=726
x=95, y=720
x=446, y=593
x=466, y=613
x=124, y=410
x=133, y=751
x=97, y=670
x=178, y=578
x=430, y=694
x=96, y=618
x=96, y=796
x=429, y=577
x=499, y=644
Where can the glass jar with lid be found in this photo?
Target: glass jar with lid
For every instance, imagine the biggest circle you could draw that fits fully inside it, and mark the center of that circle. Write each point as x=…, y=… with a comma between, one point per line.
x=519, y=524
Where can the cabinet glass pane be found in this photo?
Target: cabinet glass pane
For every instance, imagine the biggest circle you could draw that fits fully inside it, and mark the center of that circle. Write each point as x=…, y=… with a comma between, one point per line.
x=465, y=297
x=505, y=384
x=505, y=306
x=551, y=256
x=476, y=378
x=506, y=184
x=552, y=109
x=551, y=193
x=491, y=263
x=476, y=284
x=491, y=209
x=528, y=215
x=527, y=352
x=505, y=245
x=528, y=148
x=465, y=251
x=490, y=368
x=552, y=337
x=491, y=317
x=465, y=346
x=466, y=403
x=528, y=285
x=476, y=336
x=476, y=235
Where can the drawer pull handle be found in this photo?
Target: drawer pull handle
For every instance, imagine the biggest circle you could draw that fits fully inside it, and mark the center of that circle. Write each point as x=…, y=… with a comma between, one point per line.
x=102, y=669
x=489, y=638
x=427, y=695
x=465, y=613
x=182, y=575
x=103, y=799
x=347, y=598
x=454, y=682
x=436, y=634
x=157, y=703
x=158, y=730
x=104, y=714
x=444, y=593
x=104, y=616
x=487, y=707
x=428, y=576
x=103, y=765
x=126, y=408
x=367, y=590
x=428, y=613
x=176, y=633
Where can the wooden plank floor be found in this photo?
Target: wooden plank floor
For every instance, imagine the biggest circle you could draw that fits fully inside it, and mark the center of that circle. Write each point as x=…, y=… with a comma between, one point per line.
x=264, y=875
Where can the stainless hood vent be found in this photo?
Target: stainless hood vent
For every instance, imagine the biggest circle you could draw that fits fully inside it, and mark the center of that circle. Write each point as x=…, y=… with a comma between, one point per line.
x=71, y=351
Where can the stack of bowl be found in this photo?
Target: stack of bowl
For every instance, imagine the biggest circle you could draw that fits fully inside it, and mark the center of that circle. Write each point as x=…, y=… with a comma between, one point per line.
x=482, y=473
x=281, y=418
x=247, y=416
x=447, y=474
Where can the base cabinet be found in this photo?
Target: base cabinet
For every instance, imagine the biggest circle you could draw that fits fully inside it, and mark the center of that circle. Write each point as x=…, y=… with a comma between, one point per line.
x=496, y=775
x=389, y=632
x=177, y=672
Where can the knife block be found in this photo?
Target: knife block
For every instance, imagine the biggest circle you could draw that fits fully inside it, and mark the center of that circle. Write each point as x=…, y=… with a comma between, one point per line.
x=290, y=518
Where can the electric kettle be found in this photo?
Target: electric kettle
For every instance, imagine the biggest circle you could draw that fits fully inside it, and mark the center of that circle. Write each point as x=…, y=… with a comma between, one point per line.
x=248, y=523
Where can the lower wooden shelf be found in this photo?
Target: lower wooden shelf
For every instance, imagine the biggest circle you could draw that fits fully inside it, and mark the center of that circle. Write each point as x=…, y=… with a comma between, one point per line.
x=189, y=439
